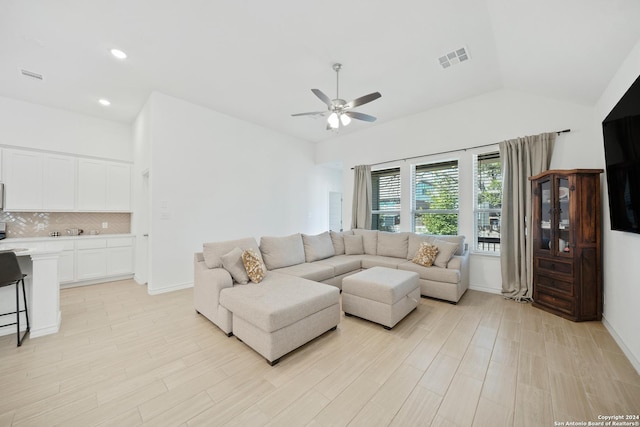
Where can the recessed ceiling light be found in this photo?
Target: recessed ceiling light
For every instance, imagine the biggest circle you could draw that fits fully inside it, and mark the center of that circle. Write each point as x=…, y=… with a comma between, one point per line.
x=104, y=102
x=118, y=54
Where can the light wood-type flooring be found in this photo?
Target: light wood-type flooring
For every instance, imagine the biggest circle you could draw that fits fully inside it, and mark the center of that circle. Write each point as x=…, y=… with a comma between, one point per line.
x=124, y=358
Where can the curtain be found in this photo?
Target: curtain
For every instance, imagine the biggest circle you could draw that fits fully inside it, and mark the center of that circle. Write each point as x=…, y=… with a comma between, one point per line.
x=521, y=158
x=361, y=211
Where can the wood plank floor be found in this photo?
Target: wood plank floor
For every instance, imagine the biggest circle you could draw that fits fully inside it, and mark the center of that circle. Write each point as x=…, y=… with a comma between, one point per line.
x=124, y=358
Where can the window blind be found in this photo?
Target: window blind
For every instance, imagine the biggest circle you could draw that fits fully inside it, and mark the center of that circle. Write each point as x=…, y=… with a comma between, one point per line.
x=385, y=190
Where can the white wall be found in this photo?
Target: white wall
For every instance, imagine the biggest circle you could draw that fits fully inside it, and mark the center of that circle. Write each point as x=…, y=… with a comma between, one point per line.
x=35, y=126
x=620, y=250
x=486, y=119
x=140, y=189
x=214, y=177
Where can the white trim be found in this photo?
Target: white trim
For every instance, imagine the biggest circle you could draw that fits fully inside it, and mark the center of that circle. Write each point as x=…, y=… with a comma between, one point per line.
x=64, y=153
x=96, y=281
x=177, y=287
x=485, y=289
x=40, y=332
x=623, y=346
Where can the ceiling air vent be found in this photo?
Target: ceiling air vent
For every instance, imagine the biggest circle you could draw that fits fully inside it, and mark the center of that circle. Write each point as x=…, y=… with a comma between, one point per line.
x=31, y=74
x=454, y=57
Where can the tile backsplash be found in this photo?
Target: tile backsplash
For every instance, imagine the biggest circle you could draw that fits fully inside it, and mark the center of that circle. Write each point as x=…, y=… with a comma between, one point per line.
x=25, y=224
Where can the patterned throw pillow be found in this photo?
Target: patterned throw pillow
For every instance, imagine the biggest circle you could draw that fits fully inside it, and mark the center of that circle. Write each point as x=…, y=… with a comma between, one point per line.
x=426, y=254
x=254, y=266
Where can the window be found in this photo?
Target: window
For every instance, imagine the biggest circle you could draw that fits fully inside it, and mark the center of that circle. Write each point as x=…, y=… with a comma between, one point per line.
x=435, y=198
x=385, y=206
x=487, y=190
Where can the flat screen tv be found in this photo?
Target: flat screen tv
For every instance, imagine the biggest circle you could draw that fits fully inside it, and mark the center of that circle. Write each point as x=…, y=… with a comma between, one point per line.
x=621, y=131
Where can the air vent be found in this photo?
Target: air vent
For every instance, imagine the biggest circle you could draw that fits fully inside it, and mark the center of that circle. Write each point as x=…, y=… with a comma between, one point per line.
x=454, y=57
x=31, y=74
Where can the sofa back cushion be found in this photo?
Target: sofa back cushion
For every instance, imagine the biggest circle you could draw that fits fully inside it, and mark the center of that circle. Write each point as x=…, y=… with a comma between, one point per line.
x=369, y=240
x=278, y=252
x=393, y=244
x=317, y=247
x=213, y=251
x=415, y=240
x=337, y=238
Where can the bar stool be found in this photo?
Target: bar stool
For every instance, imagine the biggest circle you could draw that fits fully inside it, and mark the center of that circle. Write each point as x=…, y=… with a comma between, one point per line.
x=11, y=274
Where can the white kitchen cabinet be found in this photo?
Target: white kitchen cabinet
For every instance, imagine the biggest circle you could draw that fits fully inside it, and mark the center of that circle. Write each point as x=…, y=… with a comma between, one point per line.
x=91, y=255
x=23, y=173
x=104, y=186
x=67, y=266
x=59, y=183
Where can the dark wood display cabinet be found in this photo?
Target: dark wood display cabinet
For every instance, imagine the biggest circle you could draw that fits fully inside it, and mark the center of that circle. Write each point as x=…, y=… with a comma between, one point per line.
x=567, y=266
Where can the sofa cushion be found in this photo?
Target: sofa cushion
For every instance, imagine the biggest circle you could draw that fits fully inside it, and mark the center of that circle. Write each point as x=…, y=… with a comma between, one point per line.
x=369, y=240
x=415, y=240
x=435, y=274
x=342, y=264
x=278, y=252
x=317, y=247
x=369, y=261
x=426, y=255
x=213, y=252
x=312, y=271
x=279, y=301
x=445, y=252
x=337, y=238
x=353, y=245
x=232, y=262
x=253, y=265
x=393, y=244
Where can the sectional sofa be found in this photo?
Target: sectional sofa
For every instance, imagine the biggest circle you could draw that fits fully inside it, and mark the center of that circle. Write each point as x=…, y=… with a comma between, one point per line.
x=293, y=303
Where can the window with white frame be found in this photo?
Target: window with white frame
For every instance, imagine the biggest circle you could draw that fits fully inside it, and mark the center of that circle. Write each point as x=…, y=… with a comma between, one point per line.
x=487, y=189
x=385, y=203
x=435, y=198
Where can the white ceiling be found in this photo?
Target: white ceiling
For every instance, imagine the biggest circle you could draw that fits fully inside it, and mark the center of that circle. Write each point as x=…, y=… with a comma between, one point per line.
x=257, y=60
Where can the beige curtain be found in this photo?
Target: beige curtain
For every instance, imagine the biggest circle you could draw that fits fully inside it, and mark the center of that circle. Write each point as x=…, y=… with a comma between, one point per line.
x=361, y=211
x=521, y=158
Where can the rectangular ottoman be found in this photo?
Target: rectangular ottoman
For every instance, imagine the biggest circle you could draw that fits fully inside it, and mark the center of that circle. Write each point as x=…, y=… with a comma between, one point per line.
x=281, y=313
x=381, y=295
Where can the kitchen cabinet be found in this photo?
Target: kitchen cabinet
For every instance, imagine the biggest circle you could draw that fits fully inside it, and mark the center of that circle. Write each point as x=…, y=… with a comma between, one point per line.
x=59, y=183
x=91, y=259
x=567, y=265
x=67, y=263
x=104, y=186
x=119, y=256
x=23, y=172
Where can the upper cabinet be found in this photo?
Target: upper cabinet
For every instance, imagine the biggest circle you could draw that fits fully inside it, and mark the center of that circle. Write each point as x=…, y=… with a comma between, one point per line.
x=43, y=182
x=38, y=181
x=104, y=186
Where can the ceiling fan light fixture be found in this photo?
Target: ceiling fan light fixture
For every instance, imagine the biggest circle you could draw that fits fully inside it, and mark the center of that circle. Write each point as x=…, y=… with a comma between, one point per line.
x=345, y=120
x=333, y=120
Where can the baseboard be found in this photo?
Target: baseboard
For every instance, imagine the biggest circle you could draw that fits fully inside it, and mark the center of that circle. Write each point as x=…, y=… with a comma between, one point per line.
x=95, y=281
x=139, y=281
x=485, y=289
x=169, y=289
x=623, y=346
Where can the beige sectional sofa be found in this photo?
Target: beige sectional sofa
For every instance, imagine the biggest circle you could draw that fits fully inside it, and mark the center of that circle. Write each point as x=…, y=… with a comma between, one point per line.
x=293, y=304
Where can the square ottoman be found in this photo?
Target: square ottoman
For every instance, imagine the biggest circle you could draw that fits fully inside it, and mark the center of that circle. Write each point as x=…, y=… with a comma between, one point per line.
x=381, y=295
x=281, y=313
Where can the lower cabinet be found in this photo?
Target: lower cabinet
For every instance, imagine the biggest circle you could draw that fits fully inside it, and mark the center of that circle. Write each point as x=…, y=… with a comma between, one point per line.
x=94, y=259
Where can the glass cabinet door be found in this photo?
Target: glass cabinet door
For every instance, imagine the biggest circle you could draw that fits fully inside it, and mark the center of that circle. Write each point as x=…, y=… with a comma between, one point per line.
x=562, y=223
x=545, y=215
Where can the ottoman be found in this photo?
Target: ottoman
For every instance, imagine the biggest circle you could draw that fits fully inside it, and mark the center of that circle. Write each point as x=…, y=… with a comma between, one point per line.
x=381, y=295
x=281, y=313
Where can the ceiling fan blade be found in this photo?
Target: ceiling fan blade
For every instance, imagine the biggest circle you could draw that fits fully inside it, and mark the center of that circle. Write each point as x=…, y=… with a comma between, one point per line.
x=360, y=116
x=363, y=100
x=324, y=98
x=312, y=113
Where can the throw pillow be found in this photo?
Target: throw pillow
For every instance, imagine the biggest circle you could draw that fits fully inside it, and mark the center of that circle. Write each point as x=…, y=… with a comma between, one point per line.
x=353, y=245
x=254, y=266
x=337, y=238
x=426, y=255
x=445, y=252
x=232, y=262
x=317, y=247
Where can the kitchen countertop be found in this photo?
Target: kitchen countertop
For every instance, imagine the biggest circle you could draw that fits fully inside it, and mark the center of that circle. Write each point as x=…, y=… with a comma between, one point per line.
x=12, y=240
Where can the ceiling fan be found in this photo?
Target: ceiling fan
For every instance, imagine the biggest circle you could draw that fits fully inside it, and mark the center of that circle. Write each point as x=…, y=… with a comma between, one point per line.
x=340, y=111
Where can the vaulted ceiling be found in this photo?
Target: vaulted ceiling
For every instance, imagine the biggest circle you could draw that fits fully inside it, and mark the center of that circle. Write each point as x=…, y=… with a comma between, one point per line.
x=257, y=60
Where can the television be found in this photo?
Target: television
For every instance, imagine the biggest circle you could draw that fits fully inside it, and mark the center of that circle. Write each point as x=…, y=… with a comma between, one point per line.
x=621, y=132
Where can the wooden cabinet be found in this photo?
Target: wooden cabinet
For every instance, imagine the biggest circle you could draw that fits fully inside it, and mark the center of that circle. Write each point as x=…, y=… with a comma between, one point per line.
x=567, y=266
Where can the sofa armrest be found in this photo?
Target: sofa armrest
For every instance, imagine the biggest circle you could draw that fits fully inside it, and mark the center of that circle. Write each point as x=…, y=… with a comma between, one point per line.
x=208, y=282
x=461, y=262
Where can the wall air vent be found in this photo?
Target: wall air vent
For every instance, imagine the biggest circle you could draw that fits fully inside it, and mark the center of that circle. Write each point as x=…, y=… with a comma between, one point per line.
x=454, y=57
x=31, y=74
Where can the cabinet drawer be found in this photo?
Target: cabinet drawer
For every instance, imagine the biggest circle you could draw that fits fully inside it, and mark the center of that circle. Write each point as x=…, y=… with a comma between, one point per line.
x=119, y=242
x=91, y=244
x=555, y=302
x=555, y=284
x=556, y=266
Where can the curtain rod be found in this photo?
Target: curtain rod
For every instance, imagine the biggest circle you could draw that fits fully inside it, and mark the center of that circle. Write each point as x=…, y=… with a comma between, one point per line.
x=451, y=151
